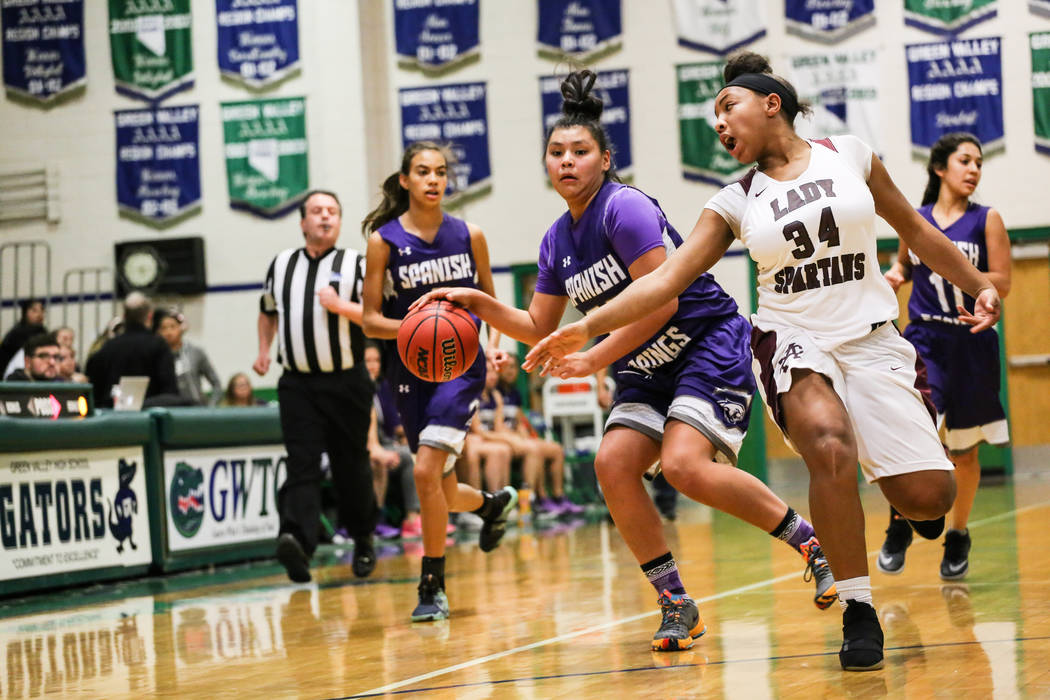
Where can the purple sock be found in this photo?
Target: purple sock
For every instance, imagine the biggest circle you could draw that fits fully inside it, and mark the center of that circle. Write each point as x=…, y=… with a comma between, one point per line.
x=662, y=572
x=793, y=529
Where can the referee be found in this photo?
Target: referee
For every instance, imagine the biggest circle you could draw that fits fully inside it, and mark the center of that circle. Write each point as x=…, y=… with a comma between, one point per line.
x=311, y=303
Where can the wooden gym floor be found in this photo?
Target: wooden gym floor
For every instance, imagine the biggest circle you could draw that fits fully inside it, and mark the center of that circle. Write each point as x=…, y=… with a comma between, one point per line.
x=561, y=612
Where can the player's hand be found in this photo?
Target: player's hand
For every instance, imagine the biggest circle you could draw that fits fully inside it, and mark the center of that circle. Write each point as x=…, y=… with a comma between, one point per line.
x=328, y=298
x=986, y=310
x=498, y=357
x=577, y=364
x=567, y=339
x=457, y=295
x=261, y=364
x=895, y=276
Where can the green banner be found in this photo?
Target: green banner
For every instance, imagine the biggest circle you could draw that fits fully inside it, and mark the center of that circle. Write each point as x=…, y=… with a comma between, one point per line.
x=1040, y=43
x=947, y=16
x=703, y=157
x=266, y=165
x=150, y=41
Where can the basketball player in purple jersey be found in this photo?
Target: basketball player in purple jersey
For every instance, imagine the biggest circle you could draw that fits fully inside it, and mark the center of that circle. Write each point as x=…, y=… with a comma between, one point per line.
x=414, y=246
x=962, y=368
x=837, y=377
x=683, y=397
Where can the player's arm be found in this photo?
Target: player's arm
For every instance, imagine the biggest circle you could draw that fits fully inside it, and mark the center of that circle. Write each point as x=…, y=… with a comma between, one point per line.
x=707, y=243
x=374, y=323
x=900, y=271
x=933, y=247
x=622, y=340
x=999, y=257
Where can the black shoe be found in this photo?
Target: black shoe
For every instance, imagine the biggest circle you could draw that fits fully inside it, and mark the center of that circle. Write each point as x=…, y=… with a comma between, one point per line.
x=496, y=522
x=292, y=557
x=861, y=638
x=928, y=529
x=364, y=561
x=898, y=537
x=956, y=561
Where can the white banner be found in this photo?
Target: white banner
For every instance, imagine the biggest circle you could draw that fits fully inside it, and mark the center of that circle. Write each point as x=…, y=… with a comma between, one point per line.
x=66, y=511
x=222, y=496
x=843, y=87
x=90, y=652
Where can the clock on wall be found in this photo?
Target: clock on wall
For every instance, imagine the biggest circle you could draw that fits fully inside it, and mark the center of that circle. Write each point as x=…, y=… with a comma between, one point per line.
x=161, y=266
x=141, y=268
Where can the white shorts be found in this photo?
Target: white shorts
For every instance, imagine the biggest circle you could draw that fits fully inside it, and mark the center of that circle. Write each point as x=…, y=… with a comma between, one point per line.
x=447, y=439
x=693, y=410
x=875, y=377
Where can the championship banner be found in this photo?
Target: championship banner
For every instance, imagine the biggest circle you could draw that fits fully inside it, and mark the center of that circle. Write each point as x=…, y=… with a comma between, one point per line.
x=956, y=86
x=950, y=18
x=829, y=21
x=43, y=48
x=612, y=87
x=267, y=172
x=158, y=163
x=258, y=46
x=843, y=88
x=433, y=35
x=719, y=26
x=65, y=511
x=703, y=157
x=579, y=29
x=1040, y=7
x=456, y=114
x=1040, y=42
x=222, y=496
x=151, y=47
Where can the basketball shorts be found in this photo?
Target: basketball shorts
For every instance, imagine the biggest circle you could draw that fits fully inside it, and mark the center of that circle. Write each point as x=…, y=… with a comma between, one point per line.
x=963, y=372
x=709, y=386
x=438, y=415
x=880, y=380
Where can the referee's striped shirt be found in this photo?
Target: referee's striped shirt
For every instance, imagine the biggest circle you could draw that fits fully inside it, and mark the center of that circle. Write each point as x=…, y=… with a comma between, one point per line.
x=310, y=338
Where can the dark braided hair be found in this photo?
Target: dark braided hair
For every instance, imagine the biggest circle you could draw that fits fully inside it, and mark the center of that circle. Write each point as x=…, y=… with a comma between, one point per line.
x=939, y=154
x=581, y=107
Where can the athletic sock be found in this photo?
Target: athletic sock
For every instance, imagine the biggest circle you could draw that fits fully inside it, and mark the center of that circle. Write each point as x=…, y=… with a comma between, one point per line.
x=662, y=572
x=793, y=529
x=857, y=588
x=434, y=566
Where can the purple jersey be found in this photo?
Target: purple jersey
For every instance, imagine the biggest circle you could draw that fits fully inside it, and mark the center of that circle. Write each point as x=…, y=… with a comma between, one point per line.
x=487, y=411
x=415, y=266
x=934, y=298
x=386, y=411
x=511, y=405
x=589, y=260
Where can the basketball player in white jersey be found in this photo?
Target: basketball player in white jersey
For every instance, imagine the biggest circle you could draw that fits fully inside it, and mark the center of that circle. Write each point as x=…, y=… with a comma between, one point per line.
x=838, y=378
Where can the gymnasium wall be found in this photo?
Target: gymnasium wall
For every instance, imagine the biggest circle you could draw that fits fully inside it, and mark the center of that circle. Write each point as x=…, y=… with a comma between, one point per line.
x=350, y=80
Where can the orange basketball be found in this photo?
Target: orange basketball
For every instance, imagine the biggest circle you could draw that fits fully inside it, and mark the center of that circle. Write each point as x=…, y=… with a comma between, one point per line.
x=438, y=342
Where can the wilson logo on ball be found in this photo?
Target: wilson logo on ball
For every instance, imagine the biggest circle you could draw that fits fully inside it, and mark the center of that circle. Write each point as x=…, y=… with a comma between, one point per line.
x=438, y=342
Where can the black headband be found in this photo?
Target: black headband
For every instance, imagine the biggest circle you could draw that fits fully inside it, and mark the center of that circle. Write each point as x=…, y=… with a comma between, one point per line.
x=766, y=84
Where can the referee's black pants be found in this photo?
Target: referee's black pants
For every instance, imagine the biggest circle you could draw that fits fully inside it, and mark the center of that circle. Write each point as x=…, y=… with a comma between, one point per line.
x=326, y=412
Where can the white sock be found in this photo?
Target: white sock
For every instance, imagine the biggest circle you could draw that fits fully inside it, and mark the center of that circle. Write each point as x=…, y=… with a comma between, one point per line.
x=857, y=588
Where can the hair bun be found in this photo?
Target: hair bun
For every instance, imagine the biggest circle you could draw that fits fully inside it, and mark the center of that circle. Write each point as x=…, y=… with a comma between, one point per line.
x=577, y=98
x=745, y=62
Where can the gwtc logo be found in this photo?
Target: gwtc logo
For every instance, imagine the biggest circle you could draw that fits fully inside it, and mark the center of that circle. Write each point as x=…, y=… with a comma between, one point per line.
x=186, y=499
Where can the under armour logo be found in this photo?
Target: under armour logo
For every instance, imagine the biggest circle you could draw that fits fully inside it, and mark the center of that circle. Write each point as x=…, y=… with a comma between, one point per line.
x=792, y=352
x=407, y=250
x=403, y=388
x=566, y=261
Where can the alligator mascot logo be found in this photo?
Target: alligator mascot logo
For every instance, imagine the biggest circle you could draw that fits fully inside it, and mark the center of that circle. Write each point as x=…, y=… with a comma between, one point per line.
x=186, y=499
x=127, y=504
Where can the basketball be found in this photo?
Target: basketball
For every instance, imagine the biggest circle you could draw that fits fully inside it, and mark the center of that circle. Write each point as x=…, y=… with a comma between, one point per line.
x=438, y=342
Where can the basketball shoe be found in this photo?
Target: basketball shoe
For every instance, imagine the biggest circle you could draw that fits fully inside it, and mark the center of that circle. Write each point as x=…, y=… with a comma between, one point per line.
x=681, y=623
x=894, y=549
x=433, y=603
x=495, y=524
x=956, y=561
x=861, y=638
x=818, y=570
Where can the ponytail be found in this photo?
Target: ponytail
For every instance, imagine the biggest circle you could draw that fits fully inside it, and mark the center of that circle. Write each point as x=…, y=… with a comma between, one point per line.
x=581, y=107
x=395, y=197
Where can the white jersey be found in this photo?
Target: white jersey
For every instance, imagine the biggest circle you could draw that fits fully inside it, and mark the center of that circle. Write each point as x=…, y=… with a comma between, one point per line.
x=813, y=240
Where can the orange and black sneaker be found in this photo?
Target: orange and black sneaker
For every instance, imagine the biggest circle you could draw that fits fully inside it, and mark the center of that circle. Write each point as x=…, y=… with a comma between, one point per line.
x=818, y=570
x=681, y=623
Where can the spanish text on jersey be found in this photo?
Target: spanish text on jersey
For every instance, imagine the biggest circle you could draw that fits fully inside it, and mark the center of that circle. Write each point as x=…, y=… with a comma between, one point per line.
x=436, y=271
x=594, y=280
